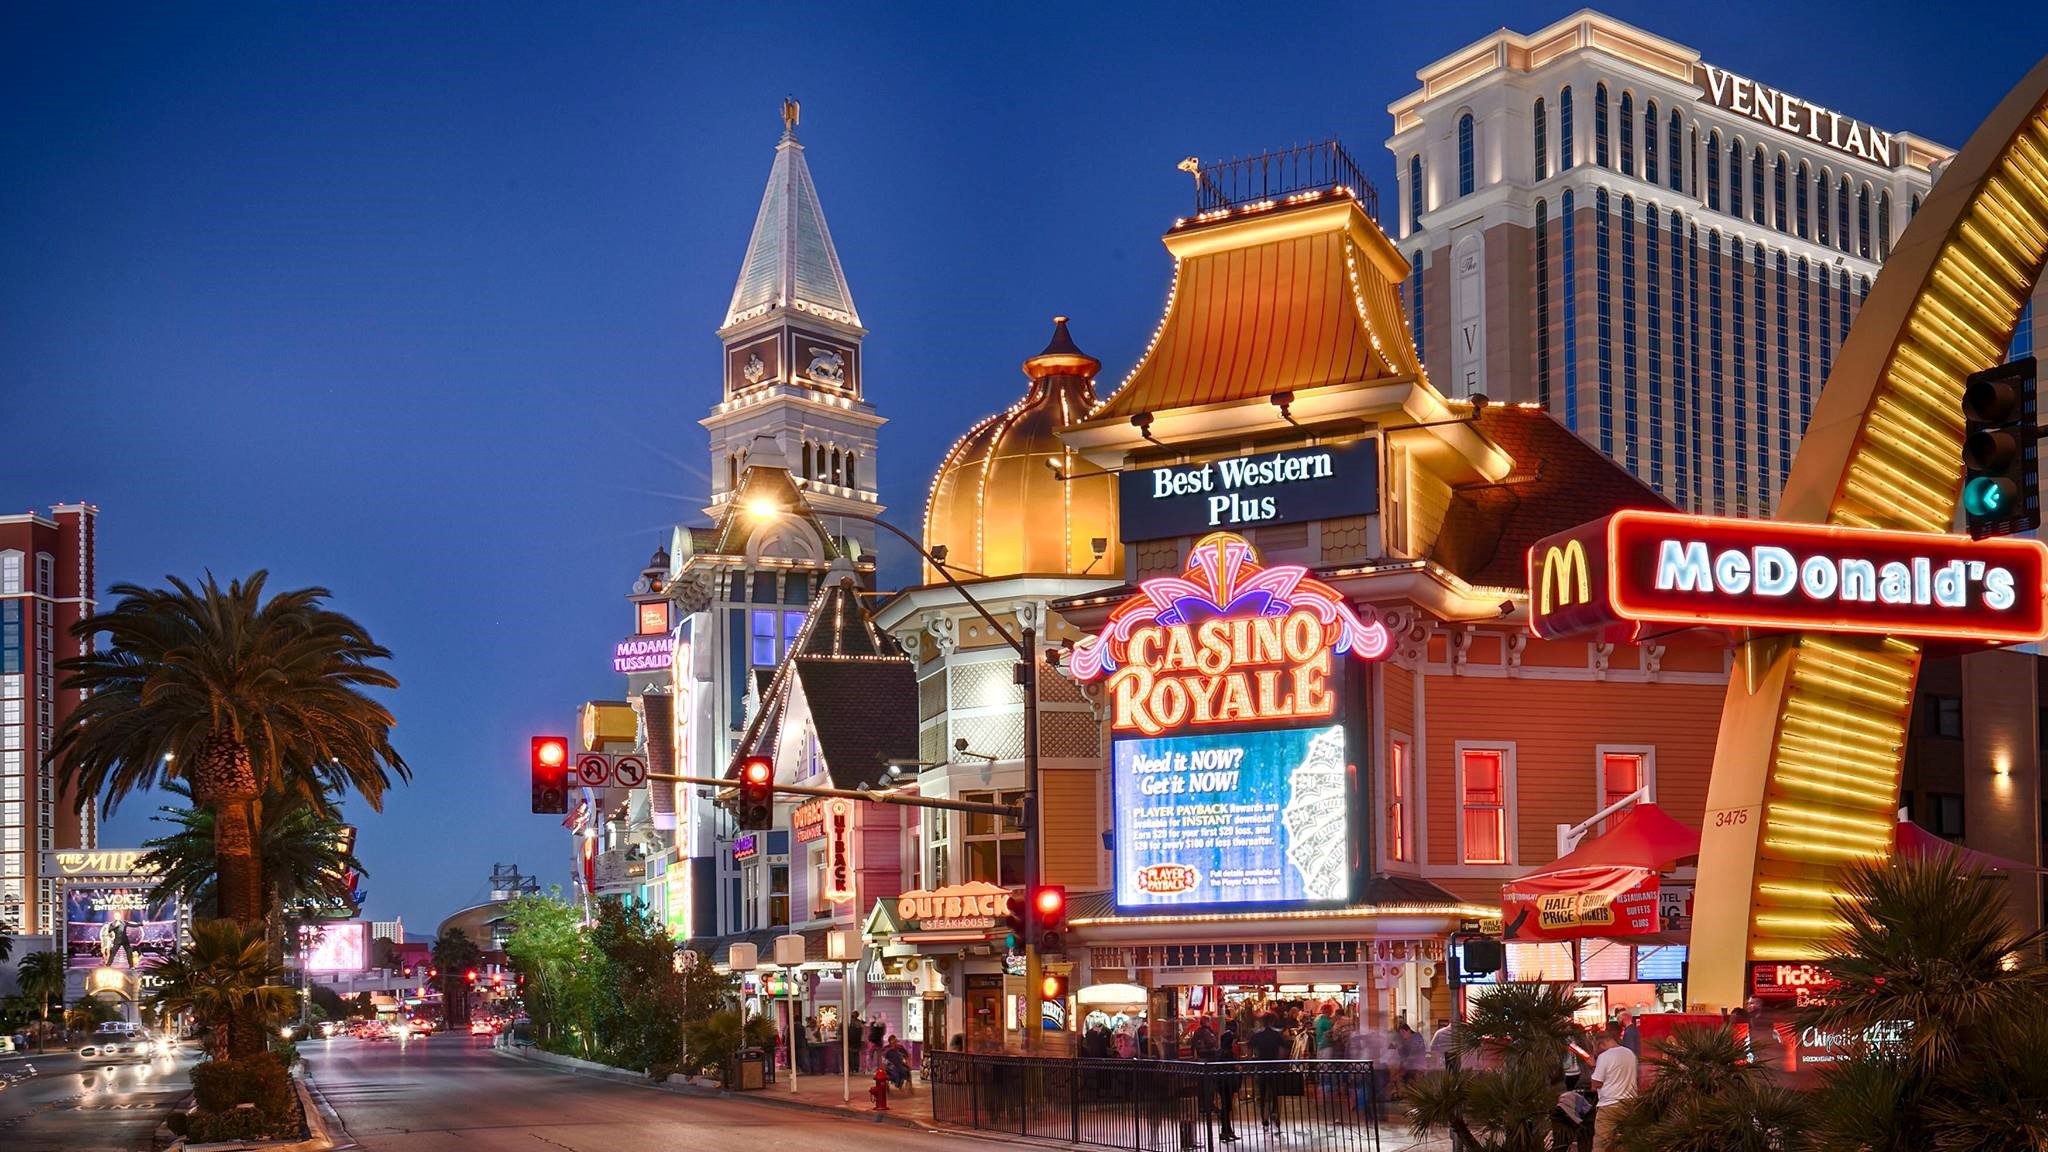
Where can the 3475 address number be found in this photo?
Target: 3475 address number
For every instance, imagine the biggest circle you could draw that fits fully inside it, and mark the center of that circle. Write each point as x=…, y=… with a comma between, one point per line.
x=1731, y=817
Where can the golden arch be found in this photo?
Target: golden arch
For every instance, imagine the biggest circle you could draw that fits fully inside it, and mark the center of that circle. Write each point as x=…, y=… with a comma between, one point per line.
x=1807, y=767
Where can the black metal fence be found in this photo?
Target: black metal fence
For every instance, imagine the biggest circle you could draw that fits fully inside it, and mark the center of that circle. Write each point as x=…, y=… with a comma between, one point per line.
x=1164, y=1105
x=1323, y=167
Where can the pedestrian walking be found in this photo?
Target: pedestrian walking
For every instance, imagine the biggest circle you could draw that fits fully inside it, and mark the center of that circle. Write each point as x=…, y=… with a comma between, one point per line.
x=1224, y=1077
x=1614, y=1081
x=1269, y=1045
x=1629, y=1035
x=1440, y=1045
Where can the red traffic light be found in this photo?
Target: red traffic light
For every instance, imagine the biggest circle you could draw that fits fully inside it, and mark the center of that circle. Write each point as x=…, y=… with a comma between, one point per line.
x=549, y=765
x=1049, y=905
x=550, y=750
x=472, y=975
x=758, y=770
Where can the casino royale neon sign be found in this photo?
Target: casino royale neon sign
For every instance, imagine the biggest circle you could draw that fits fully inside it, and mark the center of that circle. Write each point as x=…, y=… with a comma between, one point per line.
x=1228, y=642
x=1628, y=574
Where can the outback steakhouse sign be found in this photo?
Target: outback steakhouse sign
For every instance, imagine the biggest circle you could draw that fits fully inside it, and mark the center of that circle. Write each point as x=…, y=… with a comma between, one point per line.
x=976, y=905
x=1636, y=571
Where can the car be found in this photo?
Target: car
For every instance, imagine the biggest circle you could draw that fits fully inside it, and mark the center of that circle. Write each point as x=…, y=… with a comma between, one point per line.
x=118, y=1042
x=329, y=1029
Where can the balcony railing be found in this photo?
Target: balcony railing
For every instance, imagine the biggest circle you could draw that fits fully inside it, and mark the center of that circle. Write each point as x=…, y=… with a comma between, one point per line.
x=1290, y=175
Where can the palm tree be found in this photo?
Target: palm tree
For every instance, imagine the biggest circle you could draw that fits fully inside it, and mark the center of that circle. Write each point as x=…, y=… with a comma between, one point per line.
x=1706, y=1096
x=455, y=954
x=6, y=940
x=304, y=853
x=228, y=981
x=41, y=976
x=239, y=696
x=1524, y=1031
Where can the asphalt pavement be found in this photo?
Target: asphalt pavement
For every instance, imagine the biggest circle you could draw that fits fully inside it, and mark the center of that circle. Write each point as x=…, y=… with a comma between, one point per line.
x=454, y=1092
x=70, y=1106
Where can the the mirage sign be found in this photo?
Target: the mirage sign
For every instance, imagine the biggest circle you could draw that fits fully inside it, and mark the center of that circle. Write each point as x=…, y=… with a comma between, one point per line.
x=1637, y=572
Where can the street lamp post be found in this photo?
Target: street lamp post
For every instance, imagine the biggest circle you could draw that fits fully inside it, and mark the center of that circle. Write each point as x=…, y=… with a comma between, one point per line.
x=1026, y=647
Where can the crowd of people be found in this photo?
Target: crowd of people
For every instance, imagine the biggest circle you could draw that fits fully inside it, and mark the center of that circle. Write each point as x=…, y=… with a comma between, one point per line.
x=857, y=1046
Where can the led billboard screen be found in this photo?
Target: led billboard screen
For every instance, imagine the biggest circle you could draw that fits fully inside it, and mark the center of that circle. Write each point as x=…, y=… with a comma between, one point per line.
x=343, y=946
x=1242, y=818
x=117, y=928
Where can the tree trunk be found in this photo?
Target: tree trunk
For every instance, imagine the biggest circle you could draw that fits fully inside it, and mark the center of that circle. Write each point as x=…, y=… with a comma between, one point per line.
x=225, y=782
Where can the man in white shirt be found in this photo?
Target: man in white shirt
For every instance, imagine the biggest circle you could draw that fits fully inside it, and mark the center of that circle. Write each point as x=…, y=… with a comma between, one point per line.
x=1614, y=1079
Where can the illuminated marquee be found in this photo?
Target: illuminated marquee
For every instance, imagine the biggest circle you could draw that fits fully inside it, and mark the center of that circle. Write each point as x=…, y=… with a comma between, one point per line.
x=1637, y=569
x=1228, y=642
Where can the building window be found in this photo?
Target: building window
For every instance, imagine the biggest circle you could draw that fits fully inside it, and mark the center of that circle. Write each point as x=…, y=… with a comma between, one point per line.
x=1415, y=300
x=1603, y=270
x=1569, y=295
x=1779, y=218
x=1756, y=186
x=1541, y=139
x=1628, y=134
x=1863, y=222
x=1465, y=154
x=762, y=648
x=1805, y=346
x=1600, y=125
x=1884, y=225
x=936, y=824
x=1543, y=303
x=778, y=894
x=1650, y=142
x=1565, y=156
x=1693, y=362
x=1765, y=485
x=1738, y=369
x=10, y=572
x=1735, y=178
x=1820, y=207
x=1945, y=815
x=1717, y=413
x=1842, y=197
x=2022, y=345
x=1483, y=785
x=1680, y=409
x=1714, y=171
x=1842, y=303
x=994, y=844
x=1624, y=770
x=1653, y=323
x=1676, y=161
x=1945, y=717
x=1784, y=328
x=1630, y=403
x=1800, y=202
x=1400, y=784
x=1826, y=339
x=1415, y=191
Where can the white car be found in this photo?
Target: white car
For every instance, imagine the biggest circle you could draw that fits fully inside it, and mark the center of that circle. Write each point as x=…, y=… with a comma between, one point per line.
x=118, y=1042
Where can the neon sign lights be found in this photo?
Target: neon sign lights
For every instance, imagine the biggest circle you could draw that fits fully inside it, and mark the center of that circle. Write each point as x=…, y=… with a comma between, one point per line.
x=1230, y=641
x=644, y=654
x=1638, y=568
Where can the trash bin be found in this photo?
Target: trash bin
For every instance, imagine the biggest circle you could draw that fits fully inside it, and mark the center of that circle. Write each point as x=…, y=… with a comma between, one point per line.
x=751, y=1070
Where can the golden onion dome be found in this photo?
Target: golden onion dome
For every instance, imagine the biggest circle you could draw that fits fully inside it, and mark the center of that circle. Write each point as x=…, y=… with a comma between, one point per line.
x=997, y=504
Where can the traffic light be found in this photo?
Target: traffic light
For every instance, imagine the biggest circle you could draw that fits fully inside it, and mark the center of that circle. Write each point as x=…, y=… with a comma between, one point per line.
x=2001, y=495
x=756, y=807
x=472, y=975
x=1049, y=916
x=1053, y=987
x=1013, y=925
x=550, y=775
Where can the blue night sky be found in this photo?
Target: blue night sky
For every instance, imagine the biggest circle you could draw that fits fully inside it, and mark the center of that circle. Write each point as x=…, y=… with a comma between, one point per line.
x=416, y=301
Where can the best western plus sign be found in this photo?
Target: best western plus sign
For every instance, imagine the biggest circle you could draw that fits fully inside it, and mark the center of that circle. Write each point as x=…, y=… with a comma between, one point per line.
x=1636, y=573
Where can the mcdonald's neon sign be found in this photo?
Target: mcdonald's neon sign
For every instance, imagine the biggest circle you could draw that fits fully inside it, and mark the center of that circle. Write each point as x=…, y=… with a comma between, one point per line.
x=1637, y=571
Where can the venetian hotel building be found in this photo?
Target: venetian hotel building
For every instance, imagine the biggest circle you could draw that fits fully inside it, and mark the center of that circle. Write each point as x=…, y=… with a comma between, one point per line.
x=1663, y=253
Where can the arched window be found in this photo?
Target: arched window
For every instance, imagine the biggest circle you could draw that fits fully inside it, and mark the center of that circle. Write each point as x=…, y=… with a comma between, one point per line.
x=838, y=473
x=1631, y=383
x=1884, y=224
x=1735, y=177
x=1692, y=153
x=732, y=471
x=1863, y=222
x=1799, y=198
x=1600, y=125
x=1603, y=314
x=1465, y=154
x=1757, y=165
x=1779, y=218
x=1542, y=303
x=1842, y=198
x=1540, y=131
x=1628, y=133
x=852, y=470
x=1820, y=206
x=1649, y=139
x=808, y=474
x=1566, y=157
x=1653, y=327
x=1569, y=259
x=1714, y=171
x=1676, y=160
x=1415, y=191
x=1415, y=301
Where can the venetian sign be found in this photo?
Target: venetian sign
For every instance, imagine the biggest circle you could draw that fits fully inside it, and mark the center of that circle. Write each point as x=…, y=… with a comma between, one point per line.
x=1628, y=574
x=1788, y=113
x=1229, y=641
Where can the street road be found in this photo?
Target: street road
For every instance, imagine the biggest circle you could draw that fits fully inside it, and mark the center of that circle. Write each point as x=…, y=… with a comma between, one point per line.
x=71, y=1106
x=453, y=1092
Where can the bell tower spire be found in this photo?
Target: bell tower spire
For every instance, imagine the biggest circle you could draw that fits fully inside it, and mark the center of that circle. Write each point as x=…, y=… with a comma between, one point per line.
x=792, y=368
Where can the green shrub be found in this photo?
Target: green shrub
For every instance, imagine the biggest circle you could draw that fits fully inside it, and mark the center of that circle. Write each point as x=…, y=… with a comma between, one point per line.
x=219, y=1085
x=234, y=1124
x=178, y=1122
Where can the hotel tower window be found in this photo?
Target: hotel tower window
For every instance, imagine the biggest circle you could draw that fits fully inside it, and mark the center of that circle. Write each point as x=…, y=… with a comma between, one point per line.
x=1600, y=125
x=1628, y=134
x=1415, y=192
x=1737, y=374
x=1884, y=225
x=1542, y=304
x=1482, y=801
x=1400, y=783
x=1735, y=177
x=1820, y=207
x=1415, y=300
x=1541, y=130
x=1630, y=402
x=1715, y=392
x=1714, y=171
x=1823, y=315
x=1805, y=345
x=1465, y=154
x=1842, y=197
x=1784, y=367
x=1694, y=364
x=1800, y=198
x=1603, y=306
x=1571, y=314
x=1759, y=328
x=1565, y=157
x=1778, y=216
x=1650, y=142
x=1653, y=324
x=1676, y=160
x=1681, y=410
x=1756, y=185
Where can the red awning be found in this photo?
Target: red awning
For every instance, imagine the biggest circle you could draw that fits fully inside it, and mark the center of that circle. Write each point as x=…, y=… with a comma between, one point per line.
x=1643, y=837
x=1915, y=841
